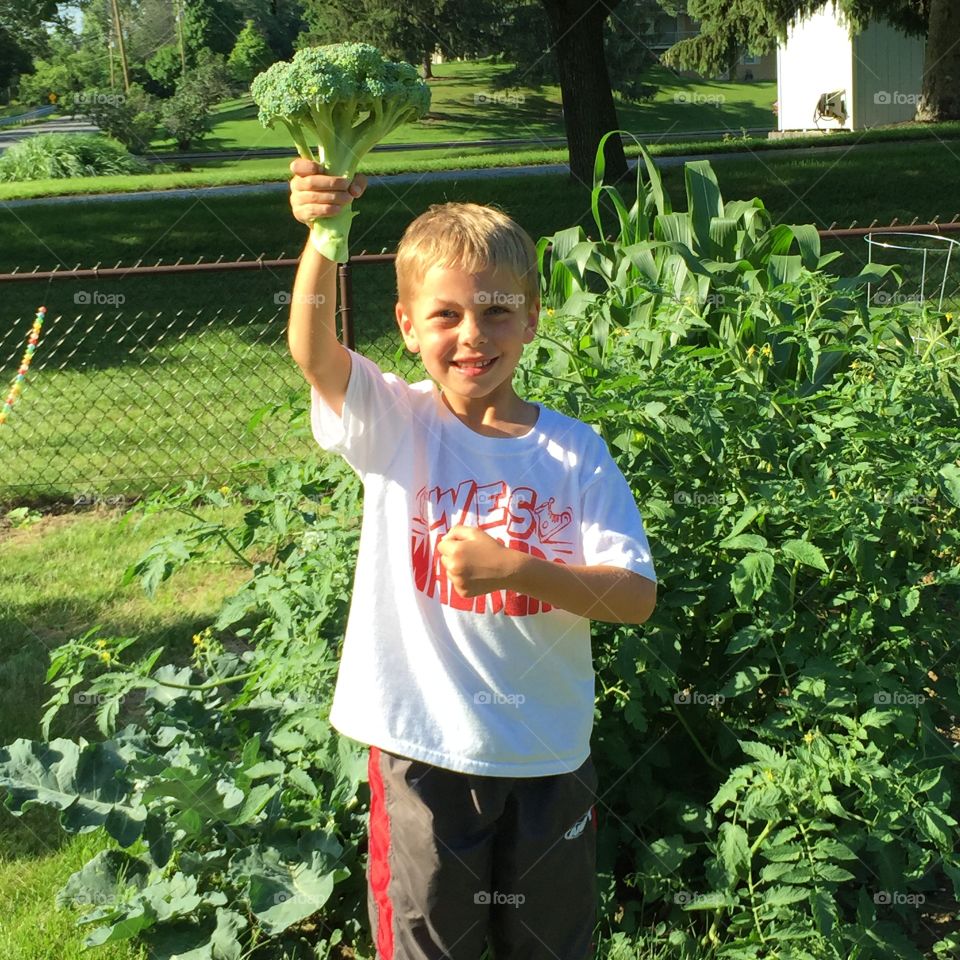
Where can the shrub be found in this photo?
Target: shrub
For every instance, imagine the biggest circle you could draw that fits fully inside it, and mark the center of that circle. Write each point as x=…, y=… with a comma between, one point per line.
x=63, y=155
x=184, y=115
x=130, y=117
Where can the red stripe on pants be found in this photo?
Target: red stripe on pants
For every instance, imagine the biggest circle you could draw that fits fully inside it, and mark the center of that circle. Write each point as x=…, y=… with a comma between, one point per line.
x=379, y=849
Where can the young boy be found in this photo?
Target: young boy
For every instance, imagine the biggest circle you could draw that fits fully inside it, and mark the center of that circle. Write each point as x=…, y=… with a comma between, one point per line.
x=493, y=530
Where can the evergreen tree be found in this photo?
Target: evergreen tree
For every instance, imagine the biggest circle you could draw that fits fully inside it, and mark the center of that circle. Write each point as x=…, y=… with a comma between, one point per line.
x=251, y=54
x=729, y=26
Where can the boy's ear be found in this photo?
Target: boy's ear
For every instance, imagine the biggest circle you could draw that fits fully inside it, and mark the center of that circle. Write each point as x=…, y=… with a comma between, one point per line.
x=533, y=318
x=406, y=329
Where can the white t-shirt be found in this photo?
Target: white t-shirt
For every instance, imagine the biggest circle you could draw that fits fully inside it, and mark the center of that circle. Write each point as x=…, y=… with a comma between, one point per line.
x=499, y=685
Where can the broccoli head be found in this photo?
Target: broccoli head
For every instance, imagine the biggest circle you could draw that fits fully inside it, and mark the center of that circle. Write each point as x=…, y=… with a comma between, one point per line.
x=345, y=97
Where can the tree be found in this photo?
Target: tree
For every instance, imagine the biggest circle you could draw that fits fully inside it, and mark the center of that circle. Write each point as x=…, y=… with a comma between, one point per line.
x=576, y=28
x=940, y=98
x=208, y=24
x=69, y=68
x=164, y=67
x=521, y=39
x=184, y=115
x=729, y=26
x=26, y=20
x=593, y=49
x=251, y=54
x=14, y=57
x=411, y=31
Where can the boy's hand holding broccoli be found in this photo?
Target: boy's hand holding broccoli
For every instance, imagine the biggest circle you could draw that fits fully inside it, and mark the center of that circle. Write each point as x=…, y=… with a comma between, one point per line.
x=315, y=194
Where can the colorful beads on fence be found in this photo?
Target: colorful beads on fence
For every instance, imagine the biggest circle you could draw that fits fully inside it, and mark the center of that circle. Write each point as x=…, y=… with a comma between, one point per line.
x=17, y=385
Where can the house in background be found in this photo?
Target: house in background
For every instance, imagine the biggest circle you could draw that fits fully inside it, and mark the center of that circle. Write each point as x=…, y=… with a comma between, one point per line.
x=828, y=80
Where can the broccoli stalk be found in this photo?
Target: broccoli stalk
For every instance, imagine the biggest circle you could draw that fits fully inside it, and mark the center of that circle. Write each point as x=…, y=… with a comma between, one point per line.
x=346, y=97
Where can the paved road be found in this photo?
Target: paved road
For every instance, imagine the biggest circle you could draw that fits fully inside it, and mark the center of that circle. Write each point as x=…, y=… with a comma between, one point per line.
x=15, y=135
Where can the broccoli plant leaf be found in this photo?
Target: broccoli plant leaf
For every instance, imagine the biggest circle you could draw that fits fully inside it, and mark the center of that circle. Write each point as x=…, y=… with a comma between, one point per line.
x=84, y=780
x=283, y=891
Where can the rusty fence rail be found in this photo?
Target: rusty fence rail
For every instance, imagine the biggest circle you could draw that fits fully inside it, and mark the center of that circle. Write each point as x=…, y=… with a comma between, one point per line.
x=119, y=404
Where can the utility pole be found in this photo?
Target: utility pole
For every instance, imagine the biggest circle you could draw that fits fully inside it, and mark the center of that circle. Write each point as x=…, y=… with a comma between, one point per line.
x=120, y=46
x=178, y=14
x=113, y=77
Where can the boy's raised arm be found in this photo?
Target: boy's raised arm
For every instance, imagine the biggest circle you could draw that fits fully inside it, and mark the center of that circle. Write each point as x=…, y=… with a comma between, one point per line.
x=311, y=333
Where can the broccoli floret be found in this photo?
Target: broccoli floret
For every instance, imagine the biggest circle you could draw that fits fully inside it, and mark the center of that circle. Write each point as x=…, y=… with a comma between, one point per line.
x=346, y=97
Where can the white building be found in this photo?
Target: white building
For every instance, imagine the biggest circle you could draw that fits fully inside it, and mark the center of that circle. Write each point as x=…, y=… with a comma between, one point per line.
x=828, y=80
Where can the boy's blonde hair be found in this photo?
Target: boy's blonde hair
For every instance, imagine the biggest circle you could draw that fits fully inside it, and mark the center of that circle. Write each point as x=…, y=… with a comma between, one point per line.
x=468, y=237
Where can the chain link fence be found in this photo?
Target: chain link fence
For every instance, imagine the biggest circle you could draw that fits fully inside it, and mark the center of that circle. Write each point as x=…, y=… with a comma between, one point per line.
x=118, y=404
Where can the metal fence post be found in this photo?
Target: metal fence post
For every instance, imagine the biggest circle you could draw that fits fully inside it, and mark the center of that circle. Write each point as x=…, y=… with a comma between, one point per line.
x=346, y=306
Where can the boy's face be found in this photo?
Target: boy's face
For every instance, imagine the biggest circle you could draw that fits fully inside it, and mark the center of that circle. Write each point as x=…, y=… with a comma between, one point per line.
x=470, y=329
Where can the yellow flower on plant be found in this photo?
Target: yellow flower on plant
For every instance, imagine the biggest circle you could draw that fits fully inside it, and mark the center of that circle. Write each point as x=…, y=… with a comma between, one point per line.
x=100, y=644
x=751, y=351
x=808, y=737
x=105, y=657
x=768, y=775
x=224, y=489
x=197, y=639
x=766, y=351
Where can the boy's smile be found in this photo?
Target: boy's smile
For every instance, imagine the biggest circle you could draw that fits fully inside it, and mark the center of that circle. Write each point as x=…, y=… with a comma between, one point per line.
x=470, y=330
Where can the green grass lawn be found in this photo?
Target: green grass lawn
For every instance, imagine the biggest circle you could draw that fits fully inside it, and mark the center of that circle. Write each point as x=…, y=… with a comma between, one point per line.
x=466, y=106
